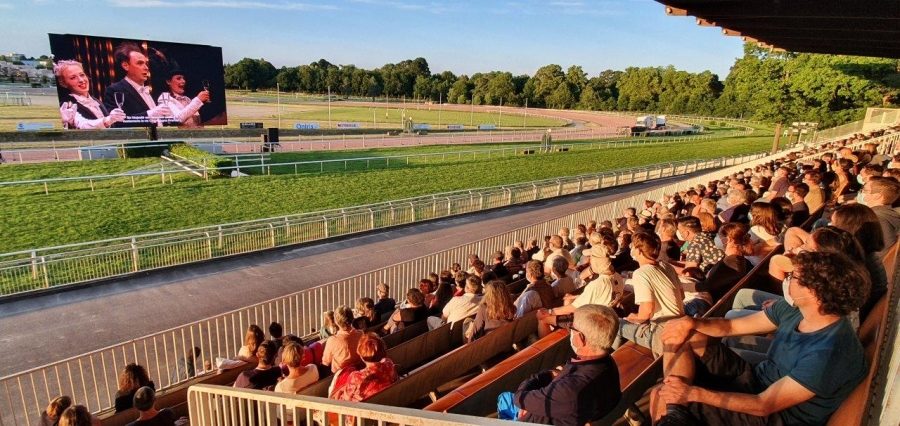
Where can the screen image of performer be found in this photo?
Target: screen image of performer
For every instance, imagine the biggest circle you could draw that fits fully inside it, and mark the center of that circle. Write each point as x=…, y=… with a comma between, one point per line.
x=184, y=109
x=130, y=93
x=78, y=109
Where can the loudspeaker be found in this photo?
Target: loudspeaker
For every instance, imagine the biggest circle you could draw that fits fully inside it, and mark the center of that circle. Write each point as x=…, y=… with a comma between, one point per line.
x=273, y=134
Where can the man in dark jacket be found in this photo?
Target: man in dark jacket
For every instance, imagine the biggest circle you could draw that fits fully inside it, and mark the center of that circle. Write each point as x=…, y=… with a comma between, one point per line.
x=583, y=390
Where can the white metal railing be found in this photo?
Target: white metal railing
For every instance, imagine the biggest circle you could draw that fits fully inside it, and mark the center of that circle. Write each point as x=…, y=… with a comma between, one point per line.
x=219, y=405
x=44, y=268
x=876, y=118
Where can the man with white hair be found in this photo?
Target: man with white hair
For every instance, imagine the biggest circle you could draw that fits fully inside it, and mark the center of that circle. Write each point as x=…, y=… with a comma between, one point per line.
x=737, y=207
x=779, y=184
x=583, y=390
x=557, y=250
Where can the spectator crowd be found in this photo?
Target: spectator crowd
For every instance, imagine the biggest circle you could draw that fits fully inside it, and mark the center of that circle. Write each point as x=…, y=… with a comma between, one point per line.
x=649, y=277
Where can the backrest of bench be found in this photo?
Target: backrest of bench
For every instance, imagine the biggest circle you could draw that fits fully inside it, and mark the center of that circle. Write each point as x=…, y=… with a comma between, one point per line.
x=455, y=363
x=890, y=261
x=407, y=355
x=853, y=411
x=477, y=397
x=406, y=333
x=176, y=398
x=756, y=278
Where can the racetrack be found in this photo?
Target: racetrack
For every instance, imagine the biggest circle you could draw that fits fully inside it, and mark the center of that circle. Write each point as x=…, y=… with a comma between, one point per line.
x=585, y=125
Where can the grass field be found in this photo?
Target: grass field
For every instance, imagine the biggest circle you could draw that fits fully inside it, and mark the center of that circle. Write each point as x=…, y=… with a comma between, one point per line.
x=291, y=113
x=32, y=219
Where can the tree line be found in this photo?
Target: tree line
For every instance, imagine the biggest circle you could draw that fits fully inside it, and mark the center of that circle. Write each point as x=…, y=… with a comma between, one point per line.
x=762, y=85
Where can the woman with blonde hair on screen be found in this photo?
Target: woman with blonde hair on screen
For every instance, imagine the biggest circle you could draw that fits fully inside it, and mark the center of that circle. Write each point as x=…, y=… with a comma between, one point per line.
x=79, y=110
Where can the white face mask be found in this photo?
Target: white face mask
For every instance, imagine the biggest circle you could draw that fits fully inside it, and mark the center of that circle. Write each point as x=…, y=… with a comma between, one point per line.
x=719, y=243
x=785, y=289
x=572, y=342
x=679, y=235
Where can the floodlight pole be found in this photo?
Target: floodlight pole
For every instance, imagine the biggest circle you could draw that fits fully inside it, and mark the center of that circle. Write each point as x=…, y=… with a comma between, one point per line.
x=776, y=141
x=278, y=103
x=440, y=107
x=329, y=107
x=526, y=114
x=500, y=118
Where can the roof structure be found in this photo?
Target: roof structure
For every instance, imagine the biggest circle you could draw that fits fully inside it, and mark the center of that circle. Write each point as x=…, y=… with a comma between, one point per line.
x=845, y=27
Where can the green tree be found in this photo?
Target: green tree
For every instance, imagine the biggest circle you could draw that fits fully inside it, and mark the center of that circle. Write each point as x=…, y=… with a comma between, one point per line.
x=500, y=86
x=544, y=82
x=288, y=79
x=589, y=99
x=460, y=91
x=577, y=79
x=639, y=89
x=250, y=74
x=562, y=97
x=422, y=87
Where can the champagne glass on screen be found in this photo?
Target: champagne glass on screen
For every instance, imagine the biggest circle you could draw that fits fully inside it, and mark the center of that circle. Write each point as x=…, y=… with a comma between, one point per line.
x=120, y=99
x=164, y=99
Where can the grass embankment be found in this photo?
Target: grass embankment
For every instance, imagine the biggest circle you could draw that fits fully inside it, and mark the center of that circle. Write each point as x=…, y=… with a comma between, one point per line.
x=33, y=219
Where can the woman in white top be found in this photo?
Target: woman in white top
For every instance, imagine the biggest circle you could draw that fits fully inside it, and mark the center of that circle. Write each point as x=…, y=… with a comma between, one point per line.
x=184, y=109
x=764, y=230
x=301, y=374
x=79, y=109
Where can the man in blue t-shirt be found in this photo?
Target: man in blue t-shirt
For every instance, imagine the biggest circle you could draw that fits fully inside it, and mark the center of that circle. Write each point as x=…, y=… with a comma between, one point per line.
x=813, y=364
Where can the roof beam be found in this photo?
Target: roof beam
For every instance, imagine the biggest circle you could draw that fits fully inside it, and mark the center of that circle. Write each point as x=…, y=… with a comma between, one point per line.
x=849, y=27
x=711, y=9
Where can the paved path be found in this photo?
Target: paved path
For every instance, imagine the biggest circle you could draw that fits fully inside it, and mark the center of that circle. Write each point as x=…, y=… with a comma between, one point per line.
x=57, y=326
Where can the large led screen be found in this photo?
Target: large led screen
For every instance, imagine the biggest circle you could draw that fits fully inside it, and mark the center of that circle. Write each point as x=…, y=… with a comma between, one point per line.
x=111, y=82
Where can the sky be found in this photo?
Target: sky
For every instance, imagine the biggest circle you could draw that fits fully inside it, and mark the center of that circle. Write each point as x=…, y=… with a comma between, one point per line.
x=461, y=36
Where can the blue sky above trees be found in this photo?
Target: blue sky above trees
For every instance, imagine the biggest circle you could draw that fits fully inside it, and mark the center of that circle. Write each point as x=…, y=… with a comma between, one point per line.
x=461, y=36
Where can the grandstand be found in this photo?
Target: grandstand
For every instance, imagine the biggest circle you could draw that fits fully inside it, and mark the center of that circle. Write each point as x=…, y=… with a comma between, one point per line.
x=430, y=367
x=453, y=372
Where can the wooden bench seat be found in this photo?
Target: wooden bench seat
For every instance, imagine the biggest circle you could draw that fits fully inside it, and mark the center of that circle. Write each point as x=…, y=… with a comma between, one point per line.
x=176, y=398
x=455, y=363
x=409, y=354
x=477, y=396
x=872, y=334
